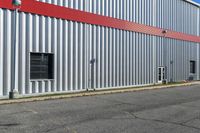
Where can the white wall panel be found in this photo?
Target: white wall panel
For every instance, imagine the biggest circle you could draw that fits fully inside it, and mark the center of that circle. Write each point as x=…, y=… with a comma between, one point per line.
x=123, y=58
x=1, y=51
x=171, y=14
x=7, y=51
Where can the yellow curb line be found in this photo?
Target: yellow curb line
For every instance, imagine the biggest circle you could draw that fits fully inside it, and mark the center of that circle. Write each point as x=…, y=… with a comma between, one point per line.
x=43, y=98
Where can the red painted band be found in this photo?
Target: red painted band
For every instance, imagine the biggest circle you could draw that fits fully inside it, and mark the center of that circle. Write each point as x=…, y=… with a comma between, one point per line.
x=50, y=10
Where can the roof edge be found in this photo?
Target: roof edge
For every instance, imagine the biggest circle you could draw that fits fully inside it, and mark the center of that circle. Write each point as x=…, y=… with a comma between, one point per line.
x=192, y=2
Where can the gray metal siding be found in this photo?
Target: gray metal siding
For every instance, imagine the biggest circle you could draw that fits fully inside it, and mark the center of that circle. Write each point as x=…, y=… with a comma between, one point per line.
x=69, y=47
x=123, y=58
x=1, y=52
x=5, y=45
x=180, y=53
x=65, y=39
x=175, y=15
x=198, y=50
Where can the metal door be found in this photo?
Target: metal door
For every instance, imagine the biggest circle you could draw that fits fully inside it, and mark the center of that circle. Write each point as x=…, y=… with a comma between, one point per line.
x=161, y=74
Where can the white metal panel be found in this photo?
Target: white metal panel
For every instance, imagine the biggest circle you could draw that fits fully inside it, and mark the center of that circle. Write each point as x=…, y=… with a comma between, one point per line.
x=22, y=55
x=1, y=51
x=7, y=51
x=171, y=14
x=198, y=47
x=123, y=58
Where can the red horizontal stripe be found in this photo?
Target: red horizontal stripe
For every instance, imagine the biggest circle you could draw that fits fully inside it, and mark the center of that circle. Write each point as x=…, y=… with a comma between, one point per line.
x=50, y=10
x=5, y=4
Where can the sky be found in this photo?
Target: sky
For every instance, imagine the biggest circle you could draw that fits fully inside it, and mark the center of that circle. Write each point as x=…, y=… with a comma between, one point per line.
x=197, y=1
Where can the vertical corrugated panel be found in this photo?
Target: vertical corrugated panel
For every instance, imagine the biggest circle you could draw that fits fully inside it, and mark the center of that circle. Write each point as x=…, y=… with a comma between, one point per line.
x=123, y=58
x=22, y=54
x=65, y=39
x=7, y=54
x=142, y=58
x=1, y=51
x=179, y=53
x=68, y=48
x=177, y=15
x=130, y=53
x=198, y=47
x=171, y=14
x=29, y=41
x=122, y=9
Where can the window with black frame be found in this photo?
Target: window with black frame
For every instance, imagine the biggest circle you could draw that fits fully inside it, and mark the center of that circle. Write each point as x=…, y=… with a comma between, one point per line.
x=41, y=66
x=192, y=67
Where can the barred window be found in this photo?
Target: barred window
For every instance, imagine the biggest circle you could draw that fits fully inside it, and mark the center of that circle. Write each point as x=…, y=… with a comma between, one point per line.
x=41, y=66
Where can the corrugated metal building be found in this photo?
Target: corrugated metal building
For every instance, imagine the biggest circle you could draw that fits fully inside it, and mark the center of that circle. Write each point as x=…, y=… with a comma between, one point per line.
x=73, y=45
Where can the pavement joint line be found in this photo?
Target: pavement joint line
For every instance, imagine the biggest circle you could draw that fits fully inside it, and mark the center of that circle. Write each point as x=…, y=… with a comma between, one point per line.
x=90, y=93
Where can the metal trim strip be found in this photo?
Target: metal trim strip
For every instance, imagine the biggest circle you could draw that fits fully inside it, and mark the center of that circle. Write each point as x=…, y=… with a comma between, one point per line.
x=50, y=10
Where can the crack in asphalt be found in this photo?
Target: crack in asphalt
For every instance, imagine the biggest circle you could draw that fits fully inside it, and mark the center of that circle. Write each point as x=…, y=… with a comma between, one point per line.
x=115, y=101
x=65, y=127
x=192, y=106
x=9, y=124
x=154, y=106
x=133, y=117
x=162, y=121
x=98, y=116
x=114, y=109
x=195, y=118
x=6, y=126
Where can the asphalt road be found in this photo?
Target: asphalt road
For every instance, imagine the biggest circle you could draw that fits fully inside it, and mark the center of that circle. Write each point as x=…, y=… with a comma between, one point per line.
x=173, y=110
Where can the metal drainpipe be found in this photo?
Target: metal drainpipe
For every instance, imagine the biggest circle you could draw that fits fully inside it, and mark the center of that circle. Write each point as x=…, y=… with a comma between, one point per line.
x=11, y=93
x=198, y=47
x=165, y=53
x=154, y=45
x=16, y=4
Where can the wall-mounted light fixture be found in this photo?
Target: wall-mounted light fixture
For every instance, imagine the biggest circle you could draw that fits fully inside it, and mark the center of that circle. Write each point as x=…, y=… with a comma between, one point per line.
x=164, y=31
x=16, y=2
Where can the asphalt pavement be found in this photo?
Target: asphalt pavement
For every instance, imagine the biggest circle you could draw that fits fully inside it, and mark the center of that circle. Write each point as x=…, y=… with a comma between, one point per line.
x=171, y=110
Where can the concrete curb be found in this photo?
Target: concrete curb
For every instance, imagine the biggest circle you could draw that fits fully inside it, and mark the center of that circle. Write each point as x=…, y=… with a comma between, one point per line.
x=93, y=93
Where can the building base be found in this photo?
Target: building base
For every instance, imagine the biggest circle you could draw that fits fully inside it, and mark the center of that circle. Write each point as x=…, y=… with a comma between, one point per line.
x=13, y=94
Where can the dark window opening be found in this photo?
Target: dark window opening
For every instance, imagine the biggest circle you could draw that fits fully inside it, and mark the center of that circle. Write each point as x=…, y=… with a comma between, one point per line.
x=41, y=66
x=192, y=67
x=163, y=73
x=159, y=73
